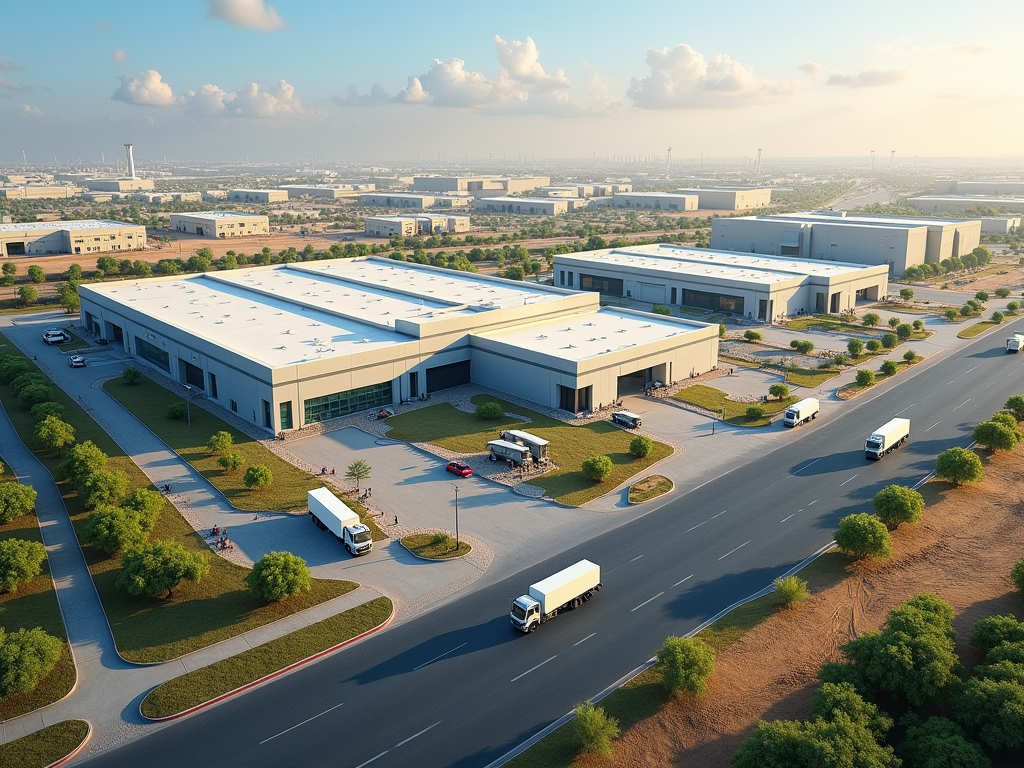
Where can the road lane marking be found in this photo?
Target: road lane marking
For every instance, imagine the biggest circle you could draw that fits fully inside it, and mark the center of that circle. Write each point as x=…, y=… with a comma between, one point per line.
x=453, y=650
x=741, y=546
x=718, y=515
x=376, y=757
x=533, y=668
x=963, y=374
x=682, y=580
x=698, y=525
x=787, y=518
x=807, y=466
x=636, y=558
x=906, y=409
x=417, y=734
x=965, y=402
x=813, y=502
x=314, y=717
x=584, y=639
x=645, y=602
x=934, y=425
x=846, y=481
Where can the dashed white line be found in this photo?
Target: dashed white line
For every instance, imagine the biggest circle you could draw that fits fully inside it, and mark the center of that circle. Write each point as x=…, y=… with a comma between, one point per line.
x=314, y=717
x=963, y=374
x=375, y=757
x=406, y=741
x=741, y=546
x=636, y=558
x=645, y=602
x=846, y=481
x=682, y=580
x=813, y=502
x=453, y=650
x=718, y=515
x=787, y=518
x=965, y=402
x=533, y=668
x=584, y=639
x=906, y=409
x=698, y=525
x=807, y=465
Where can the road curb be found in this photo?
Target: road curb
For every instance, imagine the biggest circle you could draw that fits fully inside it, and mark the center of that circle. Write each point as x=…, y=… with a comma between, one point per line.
x=75, y=752
x=433, y=559
x=273, y=675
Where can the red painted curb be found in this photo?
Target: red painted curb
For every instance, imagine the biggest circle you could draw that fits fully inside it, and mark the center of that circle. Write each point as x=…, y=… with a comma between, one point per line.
x=272, y=675
x=74, y=753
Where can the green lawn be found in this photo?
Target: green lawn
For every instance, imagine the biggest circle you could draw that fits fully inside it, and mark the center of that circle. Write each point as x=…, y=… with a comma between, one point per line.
x=45, y=746
x=852, y=390
x=76, y=343
x=724, y=360
x=735, y=412
x=447, y=427
x=148, y=630
x=649, y=488
x=422, y=545
x=829, y=323
x=976, y=330
x=208, y=682
x=810, y=379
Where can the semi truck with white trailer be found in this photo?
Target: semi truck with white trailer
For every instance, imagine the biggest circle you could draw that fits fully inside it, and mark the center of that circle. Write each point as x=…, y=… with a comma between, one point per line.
x=329, y=513
x=801, y=413
x=1015, y=344
x=886, y=438
x=569, y=588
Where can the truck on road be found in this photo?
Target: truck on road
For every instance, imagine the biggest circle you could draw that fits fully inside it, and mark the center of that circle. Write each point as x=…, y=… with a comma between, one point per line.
x=1015, y=344
x=801, y=413
x=569, y=588
x=329, y=513
x=886, y=438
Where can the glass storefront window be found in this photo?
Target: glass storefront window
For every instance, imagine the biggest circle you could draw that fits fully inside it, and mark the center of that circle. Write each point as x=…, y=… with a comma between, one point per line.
x=344, y=403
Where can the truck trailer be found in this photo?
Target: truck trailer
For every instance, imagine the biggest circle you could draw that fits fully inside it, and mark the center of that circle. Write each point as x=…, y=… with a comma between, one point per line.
x=514, y=452
x=329, y=513
x=801, y=413
x=886, y=438
x=569, y=588
x=1015, y=344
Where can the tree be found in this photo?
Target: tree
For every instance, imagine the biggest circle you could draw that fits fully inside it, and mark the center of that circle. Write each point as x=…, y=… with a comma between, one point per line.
x=278, y=575
x=69, y=300
x=15, y=500
x=597, y=468
x=897, y=504
x=751, y=335
x=28, y=379
x=910, y=355
x=855, y=347
x=53, y=434
x=231, y=461
x=802, y=346
x=871, y=319
x=82, y=459
x=640, y=446
x=995, y=436
x=594, y=729
x=35, y=394
x=865, y=378
x=813, y=744
x=939, y=743
x=40, y=411
x=153, y=569
x=791, y=590
x=113, y=529
x=1002, y=293
x=358, y=470
x=721, y=330
x=906, y=294
x=1017, y=574
x=74, y=273
x=889, y=368
x=28, y=656
x=1015, y=405
x=863, y=535
x=36, y=274
x=889, y=340
x=220, y=442
x=904, y=331
x=998, y=317
x=967, y=310
x=514, y=272
x=1012, y=307
x=756, y=411
x=20, y=561
x=177, y=410
x=952, y=314
x=873, y=345
x=959, y=466
x=131, y=375
x=993, y=631
x=13, y=366
x=994, y=709
x=145, y=505
x=10, y=271
x=489, y=410
x=981, y=296
x=102, y=487
x=257, y=476
x=893, y=322
x=832, y=699
x=686, y=663
x=778, y=391
x=28, y=294
x=918, y=325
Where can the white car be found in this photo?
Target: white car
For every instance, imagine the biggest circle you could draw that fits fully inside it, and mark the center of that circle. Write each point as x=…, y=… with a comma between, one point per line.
x=76, y=361
x=56, y=336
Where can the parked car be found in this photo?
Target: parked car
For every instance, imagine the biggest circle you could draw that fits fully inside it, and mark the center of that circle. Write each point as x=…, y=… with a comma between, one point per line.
x=76, y=361
x=56, y=336
x=459, y=468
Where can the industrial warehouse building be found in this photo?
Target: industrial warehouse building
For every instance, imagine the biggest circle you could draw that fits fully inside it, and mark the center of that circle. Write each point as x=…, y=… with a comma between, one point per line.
x=423, y=224
x=258, y=195
x=167, y=197
x=397, y=200
x=895, y=241
x=118, y=185
x=659, y=201
x=1012, y=187
x=742, y=284
x=1000, y=225
x=494, y=186
x=39, y=191
x=961, y=203
x=87, y=236
x=292, y=344
x=730, y=198
x=330, y=191
x=544, y=206
x=221, y=223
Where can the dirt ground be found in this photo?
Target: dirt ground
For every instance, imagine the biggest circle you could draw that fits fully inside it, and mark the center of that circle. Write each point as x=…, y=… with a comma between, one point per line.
x=963, y=550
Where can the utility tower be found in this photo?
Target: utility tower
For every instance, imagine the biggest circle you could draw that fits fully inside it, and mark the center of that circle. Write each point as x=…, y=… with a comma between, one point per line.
x=130, y=168
x=892, y=158
x=871, y=167
x=668, y=161
x=758, y=161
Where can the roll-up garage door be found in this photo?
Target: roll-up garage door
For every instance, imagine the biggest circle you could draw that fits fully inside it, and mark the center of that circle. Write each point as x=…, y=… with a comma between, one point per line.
x=447, y=376
x=652, y=292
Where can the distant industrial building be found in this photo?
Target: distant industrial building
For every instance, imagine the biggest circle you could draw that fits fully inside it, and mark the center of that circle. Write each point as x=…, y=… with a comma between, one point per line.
x=221, y=224
x=1010, y=187
x=422, y=224
x=330, y=191
x=397, y=200
x=452, y=201
x=39, y=192
x=129, y=183
x=659, y=201
x=999, y=225
x=742, y=284
x=961, y=203
x=295, y=344
x=730, y=198
x=75, y=237
x=168, y=197
x=544, y=206
x=258, y=195
x=899, y=242
x=493, y=186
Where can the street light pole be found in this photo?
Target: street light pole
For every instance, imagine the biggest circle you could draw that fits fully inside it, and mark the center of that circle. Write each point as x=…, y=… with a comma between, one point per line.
x=456, y=516
x=188, y=404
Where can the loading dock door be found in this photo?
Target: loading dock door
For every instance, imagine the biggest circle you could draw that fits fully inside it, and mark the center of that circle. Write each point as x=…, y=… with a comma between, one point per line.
x=633, y=383
x=653, y=293
x=447, y=376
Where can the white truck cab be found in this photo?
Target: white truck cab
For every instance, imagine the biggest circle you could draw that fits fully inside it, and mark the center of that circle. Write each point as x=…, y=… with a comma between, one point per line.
x=329, y=513
x=801, y=413
x=1015, y=344
x=569, y=588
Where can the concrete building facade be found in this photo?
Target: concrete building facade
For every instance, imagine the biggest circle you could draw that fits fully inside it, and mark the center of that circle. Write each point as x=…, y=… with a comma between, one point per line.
x=422, y=224
x=730, y=198
x=168, y=197
x=961, y=203
x=295, y=344
x=1011, y=187
x=74, y=237
x=221, y=224
x=330, y=191
x=258, y=195
x=543, y=206
x=118, y=185
x=1000, y=225
x=746, y=285
x=659, y=201
x=493, y=186
x=397, y=200
x=39, y=192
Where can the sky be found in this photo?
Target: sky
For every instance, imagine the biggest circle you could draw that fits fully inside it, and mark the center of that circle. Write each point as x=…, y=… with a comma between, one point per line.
x=403, y=81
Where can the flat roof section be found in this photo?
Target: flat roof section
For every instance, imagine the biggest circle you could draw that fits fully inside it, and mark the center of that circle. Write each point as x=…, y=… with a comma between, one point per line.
x=223, y=214
x=79, y=224
x=979, y=199
x=907, y=221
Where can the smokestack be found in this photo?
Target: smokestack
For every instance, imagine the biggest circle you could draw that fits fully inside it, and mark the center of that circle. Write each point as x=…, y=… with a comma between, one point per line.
x=131, y=162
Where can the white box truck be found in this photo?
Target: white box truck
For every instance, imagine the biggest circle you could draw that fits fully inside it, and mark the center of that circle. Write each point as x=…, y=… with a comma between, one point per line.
x=801, y=413
x=1015, y=344
x=329, y=513
x=569, y=588
x=887, y=437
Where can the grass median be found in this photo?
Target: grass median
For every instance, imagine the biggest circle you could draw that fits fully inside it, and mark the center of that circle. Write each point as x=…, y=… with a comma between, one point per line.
x=649, y=488
x=432, y=547
x=45, y=746
x=447, y=427
x=209, y=682
x=976, y=330
x=735, y=412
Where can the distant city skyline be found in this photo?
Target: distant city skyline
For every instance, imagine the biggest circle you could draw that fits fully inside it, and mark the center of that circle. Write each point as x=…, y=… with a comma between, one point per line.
x=226, y=79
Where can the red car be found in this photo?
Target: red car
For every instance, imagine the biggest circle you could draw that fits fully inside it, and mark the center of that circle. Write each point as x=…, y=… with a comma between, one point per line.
x=460, y=469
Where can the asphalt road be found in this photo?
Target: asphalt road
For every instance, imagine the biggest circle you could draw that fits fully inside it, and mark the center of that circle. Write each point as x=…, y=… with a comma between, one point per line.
x=460, y=687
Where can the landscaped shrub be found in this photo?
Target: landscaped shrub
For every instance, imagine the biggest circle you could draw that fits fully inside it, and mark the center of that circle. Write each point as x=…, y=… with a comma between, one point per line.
x=27, y=379
x=802, y=346
x=13, y=366
x=640, y=446
x=863, y=535
x=156, y=568
x=257, y=476
x=870, y=319
x=751, y=335
x=959, y=466
x=81, y=460
x=102, y=487
x=40, y=411
x=865, y=378
x=855, y=347
x=993, y=631
x=20, y=561
x=873, y=345
x=594, y=729
x=28, y=656
x=686, y=664
x=756, y=411
x=998, y=317
x=145, y=505
x=889, y=367
x=996, y=436
x=661, y=309
x=1015, y=405
x=939, y=741
x=910, y=355
x=791, y=590
x=34, y=394
x=778, y=391
x=952, y=314
x=489, y=411
x=131, y=375
x=893, y=322
x=897, y=504
x=53, y=435
x=279, y=575
x=1002, y=293
x=113, y=529
x=1012, y=307
x=231, y=461
x=890, y=340
x=918, y=325
x=15, y=500
x=176, y=410
x=220, y=442
x=596, y=468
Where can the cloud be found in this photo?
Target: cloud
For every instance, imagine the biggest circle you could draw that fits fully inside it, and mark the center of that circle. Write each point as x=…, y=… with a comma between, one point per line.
x=102, y=26
x=248, y=14
x=279, y=100
x=971, y=48
x=448, y=84
x=681, y=78
x=6, y=65
x=147, y=89
x=353, y=98
x=868, y=78
x=811, y=68
x=29, y=111
x=13, y=87
x=119, y=55
x=521, y=63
